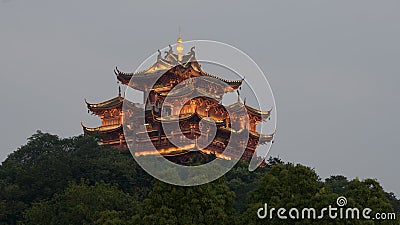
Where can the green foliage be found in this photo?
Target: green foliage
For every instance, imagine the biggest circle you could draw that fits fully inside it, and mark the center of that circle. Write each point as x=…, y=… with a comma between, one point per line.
x=287, y=186
x=296, y=186
x=391, y=197
x=338, y=184
x=369, y=194
x=205, y=204
x=84, y=204
x=51, y=180
x=241, y=181
x=45, y=165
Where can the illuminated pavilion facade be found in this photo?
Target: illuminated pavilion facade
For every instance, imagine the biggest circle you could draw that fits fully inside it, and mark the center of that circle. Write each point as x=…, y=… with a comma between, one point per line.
x=170, y=70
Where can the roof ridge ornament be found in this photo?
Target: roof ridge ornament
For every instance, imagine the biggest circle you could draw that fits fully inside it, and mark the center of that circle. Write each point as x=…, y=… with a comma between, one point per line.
x=159, y=55
x=169, y=51
x=238, y=93
x=192, y=50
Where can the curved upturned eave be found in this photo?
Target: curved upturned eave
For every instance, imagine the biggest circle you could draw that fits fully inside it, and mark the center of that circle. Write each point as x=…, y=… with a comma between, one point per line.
x=109, y=104
x=101, y=129
x=238, y=105
x=262, y=137
x=189, y=91
x=235, y=84
x=182, y=118
x=263, y=114
x=170, y=61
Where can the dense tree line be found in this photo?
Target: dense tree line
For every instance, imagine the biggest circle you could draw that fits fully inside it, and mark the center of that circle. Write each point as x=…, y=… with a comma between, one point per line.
x=51, y=180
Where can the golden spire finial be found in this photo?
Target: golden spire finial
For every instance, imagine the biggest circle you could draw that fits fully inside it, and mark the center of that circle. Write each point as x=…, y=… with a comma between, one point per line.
x=179, y=35
x=179, y=46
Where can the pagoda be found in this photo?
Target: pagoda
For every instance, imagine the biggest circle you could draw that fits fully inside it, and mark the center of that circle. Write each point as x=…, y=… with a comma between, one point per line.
x=110, y=112
x=170, y=83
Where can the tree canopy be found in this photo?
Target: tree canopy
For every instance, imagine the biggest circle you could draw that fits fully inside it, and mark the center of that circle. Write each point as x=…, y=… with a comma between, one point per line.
x=52, y=180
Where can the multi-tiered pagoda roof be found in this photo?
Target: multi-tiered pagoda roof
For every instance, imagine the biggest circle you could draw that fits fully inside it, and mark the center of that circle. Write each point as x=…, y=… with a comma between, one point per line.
x=168, y=83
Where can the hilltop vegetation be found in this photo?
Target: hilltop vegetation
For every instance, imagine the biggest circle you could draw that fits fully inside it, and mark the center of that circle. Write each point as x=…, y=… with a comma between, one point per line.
x=51, y=180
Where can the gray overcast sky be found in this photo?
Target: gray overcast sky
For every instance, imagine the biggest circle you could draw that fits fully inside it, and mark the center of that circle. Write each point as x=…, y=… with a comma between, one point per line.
x=333, y=66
